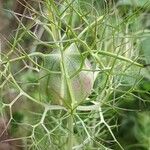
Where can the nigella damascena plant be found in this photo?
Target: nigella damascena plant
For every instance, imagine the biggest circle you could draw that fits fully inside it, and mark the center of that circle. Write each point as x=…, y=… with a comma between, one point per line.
x=67, y=79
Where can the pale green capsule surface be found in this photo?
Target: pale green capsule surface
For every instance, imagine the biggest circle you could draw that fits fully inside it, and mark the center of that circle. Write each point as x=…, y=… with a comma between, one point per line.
x=54, y=85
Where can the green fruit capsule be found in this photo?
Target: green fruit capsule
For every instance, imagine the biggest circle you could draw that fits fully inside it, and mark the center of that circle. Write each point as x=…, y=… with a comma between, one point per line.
x=61, y=70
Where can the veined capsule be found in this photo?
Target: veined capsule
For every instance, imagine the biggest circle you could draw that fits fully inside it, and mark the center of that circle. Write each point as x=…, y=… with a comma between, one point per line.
x=70, y=84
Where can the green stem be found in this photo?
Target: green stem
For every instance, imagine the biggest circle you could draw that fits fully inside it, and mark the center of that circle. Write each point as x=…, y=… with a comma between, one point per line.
x=91, y=26
x=70, y=136
x=120, y=58
x=23, y=57
x=52, y=17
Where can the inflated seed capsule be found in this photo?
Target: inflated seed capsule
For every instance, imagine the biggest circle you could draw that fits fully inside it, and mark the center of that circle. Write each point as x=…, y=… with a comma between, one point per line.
x=64, y=82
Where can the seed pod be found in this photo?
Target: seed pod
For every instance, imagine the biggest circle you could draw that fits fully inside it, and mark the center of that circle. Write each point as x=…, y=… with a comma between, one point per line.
x=69, y=67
